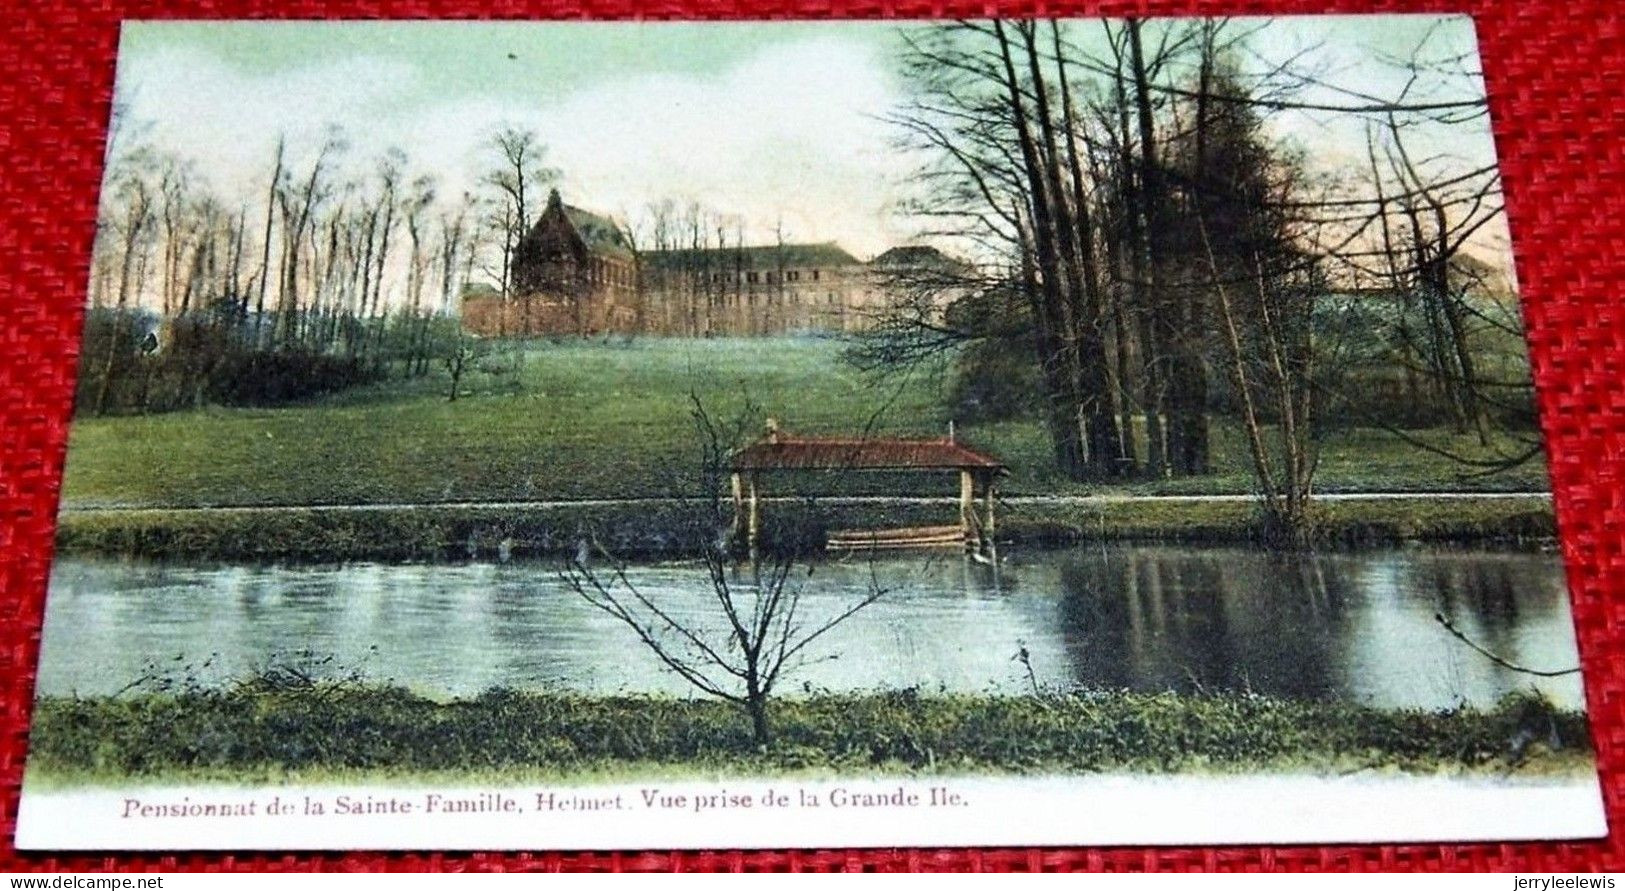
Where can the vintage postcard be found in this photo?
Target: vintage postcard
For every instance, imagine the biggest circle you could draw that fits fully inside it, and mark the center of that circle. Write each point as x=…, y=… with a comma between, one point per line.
x=651, y=435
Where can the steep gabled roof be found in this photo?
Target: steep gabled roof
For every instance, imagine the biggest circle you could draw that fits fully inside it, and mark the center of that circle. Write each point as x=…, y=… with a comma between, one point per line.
x=601, y=233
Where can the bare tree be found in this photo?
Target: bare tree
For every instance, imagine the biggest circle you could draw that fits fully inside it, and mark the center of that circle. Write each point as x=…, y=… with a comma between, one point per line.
x=175, y=178
x=300, y=202
x=1410, y=234
x=765, y=629
x=516, y=178
x=132, y=220
x=1118, y=180
x=265, y=244
x=1020, y=174
x=414, y=210
x=458, y=243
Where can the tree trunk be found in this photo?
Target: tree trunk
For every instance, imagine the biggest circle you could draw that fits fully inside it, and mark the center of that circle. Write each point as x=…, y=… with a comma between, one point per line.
x=1470, y=406
x=1124, y=338
x=265, y=250
x=1103, y=437
x=1175, y=343
x=1141, y=270
x=1057, y=346
x=104, y=386
x=756, y=707
x=1063, y=424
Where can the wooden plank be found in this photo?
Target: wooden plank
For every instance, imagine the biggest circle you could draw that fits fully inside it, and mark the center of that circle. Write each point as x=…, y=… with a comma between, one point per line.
x=953, y=541
x=875, y=539
x=895, y=532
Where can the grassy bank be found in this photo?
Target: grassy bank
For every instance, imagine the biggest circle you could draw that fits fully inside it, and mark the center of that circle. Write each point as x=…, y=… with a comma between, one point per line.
x=341, y=731
x=596, y=420
x=440, y=532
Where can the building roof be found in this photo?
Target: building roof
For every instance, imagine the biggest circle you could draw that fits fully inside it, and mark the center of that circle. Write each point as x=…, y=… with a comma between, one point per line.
x=778, y=451
x=600, y=233
x=915, y=255
x=769, y=256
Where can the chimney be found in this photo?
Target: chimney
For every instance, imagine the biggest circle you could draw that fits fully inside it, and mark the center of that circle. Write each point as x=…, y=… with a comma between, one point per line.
x=950, y=429
x=773, y=430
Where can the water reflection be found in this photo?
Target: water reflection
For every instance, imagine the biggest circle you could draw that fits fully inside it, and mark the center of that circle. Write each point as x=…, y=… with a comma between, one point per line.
x=1356, y=626
x=1155, y=620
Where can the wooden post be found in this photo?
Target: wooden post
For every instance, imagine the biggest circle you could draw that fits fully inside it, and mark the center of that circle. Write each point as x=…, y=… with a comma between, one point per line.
x=738, y=486
x=987, y=495
x=967, y=506
x=755, y=522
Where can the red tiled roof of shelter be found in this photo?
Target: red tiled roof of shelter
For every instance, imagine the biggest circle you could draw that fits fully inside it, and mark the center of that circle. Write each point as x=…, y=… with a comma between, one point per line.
x=779, y=451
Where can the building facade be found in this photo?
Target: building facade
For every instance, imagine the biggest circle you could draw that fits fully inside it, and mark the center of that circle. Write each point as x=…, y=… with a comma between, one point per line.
x=575, y=272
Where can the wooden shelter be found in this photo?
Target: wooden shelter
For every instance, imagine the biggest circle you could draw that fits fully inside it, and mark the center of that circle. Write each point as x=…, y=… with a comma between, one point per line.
x=778, y=452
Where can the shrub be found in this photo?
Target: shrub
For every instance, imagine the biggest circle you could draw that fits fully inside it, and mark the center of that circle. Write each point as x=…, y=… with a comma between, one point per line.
x=132, y=362
x=994, y=381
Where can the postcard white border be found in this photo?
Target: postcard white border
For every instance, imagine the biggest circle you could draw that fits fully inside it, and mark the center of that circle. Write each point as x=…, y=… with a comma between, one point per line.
x=1105, y=809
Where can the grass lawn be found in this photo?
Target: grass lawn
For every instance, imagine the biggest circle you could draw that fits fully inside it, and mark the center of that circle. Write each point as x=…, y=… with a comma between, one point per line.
x=585, y=420
x=342, y=732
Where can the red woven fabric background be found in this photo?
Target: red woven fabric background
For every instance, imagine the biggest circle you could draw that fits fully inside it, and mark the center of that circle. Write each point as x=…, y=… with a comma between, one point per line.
x=1553, y=69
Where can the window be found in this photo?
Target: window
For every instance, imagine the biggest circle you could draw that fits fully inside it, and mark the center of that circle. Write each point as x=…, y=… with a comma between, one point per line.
x=793, y=275
x=815, y=275
x=750, y=277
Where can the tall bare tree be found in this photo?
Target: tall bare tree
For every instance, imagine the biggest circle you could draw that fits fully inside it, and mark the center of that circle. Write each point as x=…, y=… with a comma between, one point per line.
x=517, y=177
x=260, y=328
x=766, y=624
x=132, y=219
x=299, y=201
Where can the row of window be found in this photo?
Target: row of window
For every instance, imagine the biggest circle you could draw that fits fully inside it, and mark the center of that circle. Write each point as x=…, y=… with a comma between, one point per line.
x=794, y=300
x=752, y=278
x=601, y=271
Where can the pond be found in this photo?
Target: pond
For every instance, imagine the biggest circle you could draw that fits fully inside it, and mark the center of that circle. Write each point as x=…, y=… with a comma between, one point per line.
x=1356, y=626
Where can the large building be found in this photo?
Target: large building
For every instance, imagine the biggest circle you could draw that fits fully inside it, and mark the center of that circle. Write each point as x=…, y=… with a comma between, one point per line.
x=575, y=272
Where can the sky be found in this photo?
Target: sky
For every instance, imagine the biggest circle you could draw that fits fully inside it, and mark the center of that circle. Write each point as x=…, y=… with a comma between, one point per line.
x=778, y=124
